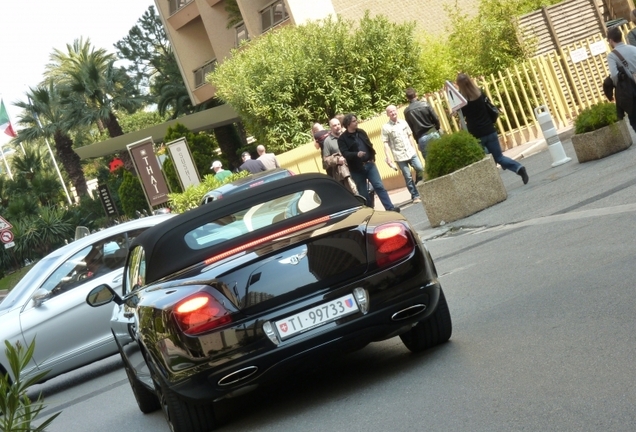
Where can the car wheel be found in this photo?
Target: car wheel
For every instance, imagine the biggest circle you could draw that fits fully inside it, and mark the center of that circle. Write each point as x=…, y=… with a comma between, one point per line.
x=181, y=415
x=147, y=401
x=434, y=330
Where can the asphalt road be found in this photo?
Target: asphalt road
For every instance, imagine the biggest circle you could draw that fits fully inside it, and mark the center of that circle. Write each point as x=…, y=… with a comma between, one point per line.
x=541, y=294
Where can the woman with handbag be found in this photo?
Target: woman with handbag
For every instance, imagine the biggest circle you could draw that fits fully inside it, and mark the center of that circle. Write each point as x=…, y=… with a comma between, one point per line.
x=480, y=123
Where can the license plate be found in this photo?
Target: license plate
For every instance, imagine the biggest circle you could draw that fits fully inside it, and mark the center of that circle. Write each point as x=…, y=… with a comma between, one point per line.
x=316, y=316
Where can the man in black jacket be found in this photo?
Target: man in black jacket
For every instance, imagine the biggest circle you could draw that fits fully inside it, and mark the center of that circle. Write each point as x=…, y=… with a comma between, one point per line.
x=356, y=147
x=251, y=165
x=422, y=120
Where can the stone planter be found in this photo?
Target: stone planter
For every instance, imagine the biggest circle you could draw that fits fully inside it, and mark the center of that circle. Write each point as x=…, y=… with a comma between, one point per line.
x=463, y=192
x=602, y=142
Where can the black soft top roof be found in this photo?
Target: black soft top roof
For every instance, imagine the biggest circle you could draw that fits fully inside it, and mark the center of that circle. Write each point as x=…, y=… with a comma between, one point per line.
x=167, y=252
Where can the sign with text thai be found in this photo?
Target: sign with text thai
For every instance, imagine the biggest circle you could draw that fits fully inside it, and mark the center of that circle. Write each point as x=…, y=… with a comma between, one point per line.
x=154, y=184
x=183, y=163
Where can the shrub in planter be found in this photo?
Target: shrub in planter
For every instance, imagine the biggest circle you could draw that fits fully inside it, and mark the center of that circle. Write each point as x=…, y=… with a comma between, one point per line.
x=599, y=133
x=452, y=152
x=595, y=117
x=461, y=179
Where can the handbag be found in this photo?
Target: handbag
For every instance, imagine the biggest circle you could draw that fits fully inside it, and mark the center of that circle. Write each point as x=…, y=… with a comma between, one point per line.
x=493, y=111
x=625, y=64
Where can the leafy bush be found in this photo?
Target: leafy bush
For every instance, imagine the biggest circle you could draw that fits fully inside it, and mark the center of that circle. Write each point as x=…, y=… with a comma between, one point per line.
x=16, y=409
x=452, y=152
x=181, y=202
x=595, y=117
x=285, y=80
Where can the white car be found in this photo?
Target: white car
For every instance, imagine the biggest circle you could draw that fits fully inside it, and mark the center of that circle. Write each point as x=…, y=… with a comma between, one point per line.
x=49, y=302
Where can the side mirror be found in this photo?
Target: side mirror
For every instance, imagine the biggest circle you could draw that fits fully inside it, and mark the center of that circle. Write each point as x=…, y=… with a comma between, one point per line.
x=101, y=295
x=40, y=296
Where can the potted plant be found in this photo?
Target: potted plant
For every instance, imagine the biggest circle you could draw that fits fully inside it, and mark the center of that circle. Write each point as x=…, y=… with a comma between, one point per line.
x=460, y=179
x=598, y=133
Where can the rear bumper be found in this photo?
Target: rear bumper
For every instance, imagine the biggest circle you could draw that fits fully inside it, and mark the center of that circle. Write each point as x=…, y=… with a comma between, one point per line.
x=410, y=283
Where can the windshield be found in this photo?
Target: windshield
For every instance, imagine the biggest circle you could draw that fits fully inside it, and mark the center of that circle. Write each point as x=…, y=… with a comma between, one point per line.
x=21, y=292
x=251, y=219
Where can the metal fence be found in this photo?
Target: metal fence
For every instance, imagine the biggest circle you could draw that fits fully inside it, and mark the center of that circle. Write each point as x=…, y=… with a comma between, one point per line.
x=565, y=81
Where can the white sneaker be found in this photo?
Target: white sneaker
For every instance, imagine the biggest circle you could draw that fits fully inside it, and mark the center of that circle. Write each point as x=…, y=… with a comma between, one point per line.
x=417, y=200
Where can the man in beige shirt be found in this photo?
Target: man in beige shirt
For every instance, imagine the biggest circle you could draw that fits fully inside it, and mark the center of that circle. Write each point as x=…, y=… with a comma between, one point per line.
x=398, y=142
x=268, y=159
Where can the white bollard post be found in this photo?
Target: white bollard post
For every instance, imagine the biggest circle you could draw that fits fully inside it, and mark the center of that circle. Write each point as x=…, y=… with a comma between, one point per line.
x=551, y=137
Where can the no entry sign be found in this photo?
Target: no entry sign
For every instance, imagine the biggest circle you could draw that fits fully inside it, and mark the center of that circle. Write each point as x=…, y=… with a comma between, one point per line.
x=6, y=236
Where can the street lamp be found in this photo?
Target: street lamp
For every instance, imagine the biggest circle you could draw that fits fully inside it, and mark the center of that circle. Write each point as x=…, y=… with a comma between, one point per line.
x=37, y=119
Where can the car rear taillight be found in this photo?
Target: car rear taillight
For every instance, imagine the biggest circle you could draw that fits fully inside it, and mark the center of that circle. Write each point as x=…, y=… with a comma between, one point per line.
x=199, y=313
x=393, y=241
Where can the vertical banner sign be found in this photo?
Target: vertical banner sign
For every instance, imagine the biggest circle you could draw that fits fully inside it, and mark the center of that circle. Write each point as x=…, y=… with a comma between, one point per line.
x=107, y=200
x=183, y=163
x=143, y=155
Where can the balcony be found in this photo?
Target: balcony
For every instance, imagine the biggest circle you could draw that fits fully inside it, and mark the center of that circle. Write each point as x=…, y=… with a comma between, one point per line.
x=201, y=73
x=175, y=5
x=273, y=15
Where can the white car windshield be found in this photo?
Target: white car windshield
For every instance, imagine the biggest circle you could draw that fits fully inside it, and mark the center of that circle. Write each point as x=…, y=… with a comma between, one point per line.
x=22, y=291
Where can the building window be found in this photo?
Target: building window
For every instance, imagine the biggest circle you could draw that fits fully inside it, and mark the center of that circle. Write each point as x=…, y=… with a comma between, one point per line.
x=273, y=14
x=241, y=34
x=175, y=5
x=201, y=73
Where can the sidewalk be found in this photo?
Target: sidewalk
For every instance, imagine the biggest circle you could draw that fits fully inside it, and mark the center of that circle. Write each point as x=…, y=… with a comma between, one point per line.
x=402, y=196
x=571, y=189
x=3, y=294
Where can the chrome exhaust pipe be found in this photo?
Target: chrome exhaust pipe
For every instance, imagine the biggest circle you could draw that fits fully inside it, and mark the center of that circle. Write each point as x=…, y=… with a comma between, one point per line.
x=238, y=375
x=408, y=312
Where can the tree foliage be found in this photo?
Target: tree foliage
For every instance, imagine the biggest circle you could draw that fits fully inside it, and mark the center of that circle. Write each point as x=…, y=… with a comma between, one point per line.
x=153, y=66
x=44, y=117
x=488, y=42
x=131, y=194
x=287, y=79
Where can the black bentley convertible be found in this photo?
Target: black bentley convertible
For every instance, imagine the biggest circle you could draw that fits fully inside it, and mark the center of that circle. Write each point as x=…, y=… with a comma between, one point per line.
x=229, y=295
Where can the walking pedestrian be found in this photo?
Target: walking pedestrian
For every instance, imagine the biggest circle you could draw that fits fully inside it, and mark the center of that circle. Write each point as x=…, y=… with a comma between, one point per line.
x=422, y=120
x=397, y=138
x=220, y=174
x=251, y=165
x=622, y=57
x=332, y=160
x=481, y=126
x=356, y=147
x=268, y=159
x=631, y=36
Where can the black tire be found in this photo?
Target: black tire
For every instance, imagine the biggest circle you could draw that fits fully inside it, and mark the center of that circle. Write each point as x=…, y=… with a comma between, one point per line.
x=147, y=400
x=181, y=415
x=434, y=330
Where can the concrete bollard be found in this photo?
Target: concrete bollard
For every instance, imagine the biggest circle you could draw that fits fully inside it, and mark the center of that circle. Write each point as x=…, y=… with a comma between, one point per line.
x=551, y=137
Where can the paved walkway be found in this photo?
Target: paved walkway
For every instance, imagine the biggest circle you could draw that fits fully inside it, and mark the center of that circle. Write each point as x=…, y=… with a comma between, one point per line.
x=402, y=196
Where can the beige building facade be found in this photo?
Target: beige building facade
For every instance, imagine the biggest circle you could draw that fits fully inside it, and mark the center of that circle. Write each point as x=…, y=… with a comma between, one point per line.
x=201, y=38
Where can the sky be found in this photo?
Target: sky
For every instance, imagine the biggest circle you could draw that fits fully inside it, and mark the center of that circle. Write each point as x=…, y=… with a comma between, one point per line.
x=31, y=29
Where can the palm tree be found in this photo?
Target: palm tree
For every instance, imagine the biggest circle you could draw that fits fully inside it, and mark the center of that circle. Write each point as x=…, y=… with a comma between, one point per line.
x=44, y=118
x=94, y=89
